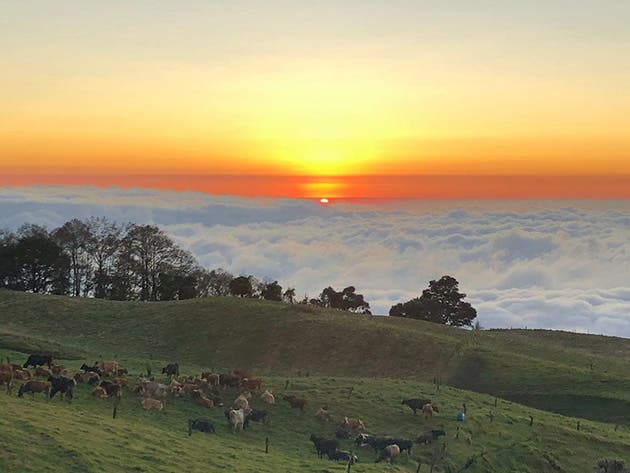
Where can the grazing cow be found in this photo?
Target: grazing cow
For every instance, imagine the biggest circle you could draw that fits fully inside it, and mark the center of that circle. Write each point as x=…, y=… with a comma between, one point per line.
x=107, y=367
x=22, y=374
x=377, y=443
x=324, y=445
x=112, y=389
x=6, y=377
x=57, y=369
x=240, y=402
x=343, y=455
x=323, y=414
x=212, y=378
x=38, y=360
x=42, y=372
x=62, y=385
x=416, y=404
x=237, y=419
x=201, y=399
x=427, y=411
x=171, y=369
x=403, y=444
x=351, y=423
x=255, y=415
x=202, y=425
x=34, y=387
x=148, y=388
x=148, y=403
x=100, y=392
x=429, y=436
x=295, y=402
x=251, y=384
x=388, y=453
x=268, y=397
x=229, y=380
x=90, y=369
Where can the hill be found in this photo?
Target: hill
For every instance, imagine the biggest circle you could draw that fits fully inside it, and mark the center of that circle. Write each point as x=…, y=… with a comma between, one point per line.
x=358, y=366
x=584, y=376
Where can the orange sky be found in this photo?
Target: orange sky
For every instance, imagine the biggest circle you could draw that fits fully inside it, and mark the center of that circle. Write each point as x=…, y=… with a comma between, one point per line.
x=95, y=94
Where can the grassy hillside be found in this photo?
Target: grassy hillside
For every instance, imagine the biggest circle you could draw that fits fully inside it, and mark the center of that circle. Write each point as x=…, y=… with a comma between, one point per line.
x=579, y=375
x=322, y=354
x=39, y=435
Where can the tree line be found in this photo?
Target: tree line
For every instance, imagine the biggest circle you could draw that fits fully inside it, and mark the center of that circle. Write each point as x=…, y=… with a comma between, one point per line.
x=105, y=260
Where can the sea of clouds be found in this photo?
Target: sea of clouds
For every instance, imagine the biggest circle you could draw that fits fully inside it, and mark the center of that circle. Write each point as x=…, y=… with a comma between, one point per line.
x=560, y=265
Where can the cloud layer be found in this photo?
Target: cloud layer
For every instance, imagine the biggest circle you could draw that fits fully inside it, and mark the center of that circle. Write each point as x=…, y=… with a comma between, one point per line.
x=536, y=264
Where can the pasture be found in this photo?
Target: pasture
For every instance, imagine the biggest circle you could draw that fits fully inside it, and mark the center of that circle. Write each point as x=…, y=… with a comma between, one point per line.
x=327, y=359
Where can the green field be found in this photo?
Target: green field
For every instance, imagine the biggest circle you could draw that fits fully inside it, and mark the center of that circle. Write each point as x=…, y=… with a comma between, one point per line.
x=323, y=354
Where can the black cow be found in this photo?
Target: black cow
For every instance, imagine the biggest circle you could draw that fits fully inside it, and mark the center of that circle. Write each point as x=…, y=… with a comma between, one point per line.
x=343, y=455
x=417, y=404
x=91, y=369
x=324, y=446
x=377, y=443
x=403, y=444
x=429, y=436
x=171, y=369
x=255, y=415
x=201, y=425
x=38, y=360
x=62, y=385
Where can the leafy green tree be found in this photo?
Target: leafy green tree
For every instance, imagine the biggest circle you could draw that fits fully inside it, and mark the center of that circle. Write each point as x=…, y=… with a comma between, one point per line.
x=441, y=303
x=348, y=299
x=241, y=286
x=272, y=291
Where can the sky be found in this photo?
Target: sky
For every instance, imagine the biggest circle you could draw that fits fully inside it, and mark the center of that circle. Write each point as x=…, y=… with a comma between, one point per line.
x=554, y=264
x=522, y=99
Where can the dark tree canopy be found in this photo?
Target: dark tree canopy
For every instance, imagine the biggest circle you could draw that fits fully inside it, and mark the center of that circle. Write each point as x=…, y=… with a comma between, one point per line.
x=272, y=291
x=441, y=303
x=241, y=287
x=348, y=299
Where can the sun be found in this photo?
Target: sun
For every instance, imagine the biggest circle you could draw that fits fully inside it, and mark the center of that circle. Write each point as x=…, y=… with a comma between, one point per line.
x=323, y=201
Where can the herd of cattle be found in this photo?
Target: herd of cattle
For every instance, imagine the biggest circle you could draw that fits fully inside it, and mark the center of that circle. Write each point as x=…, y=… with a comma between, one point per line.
x=206, y=389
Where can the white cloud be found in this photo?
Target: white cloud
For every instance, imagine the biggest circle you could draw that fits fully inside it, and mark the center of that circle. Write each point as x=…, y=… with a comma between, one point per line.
x=535, y=264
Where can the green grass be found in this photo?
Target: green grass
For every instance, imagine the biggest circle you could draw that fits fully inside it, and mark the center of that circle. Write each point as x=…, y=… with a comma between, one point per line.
x=322, y=354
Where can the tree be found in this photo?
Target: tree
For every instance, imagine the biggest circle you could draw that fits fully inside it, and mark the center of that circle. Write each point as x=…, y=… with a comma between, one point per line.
x=441, y=303
x=214, y=283
x=289, y=296
x=272, y=291
x=348, y=299
x=241, y=287
x=41, y=265
x=73, y=237
x=102, y=248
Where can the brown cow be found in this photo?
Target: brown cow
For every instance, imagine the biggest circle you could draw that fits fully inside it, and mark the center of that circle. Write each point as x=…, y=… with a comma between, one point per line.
x=34, y=387
x=295, y=402
x=427, y=411
x=6, y=377
x=43, y=372
x=201, y=399
x=100, y=392
x=251, y=384
x=351, y=423
x=107, y=367
x=148, y=403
